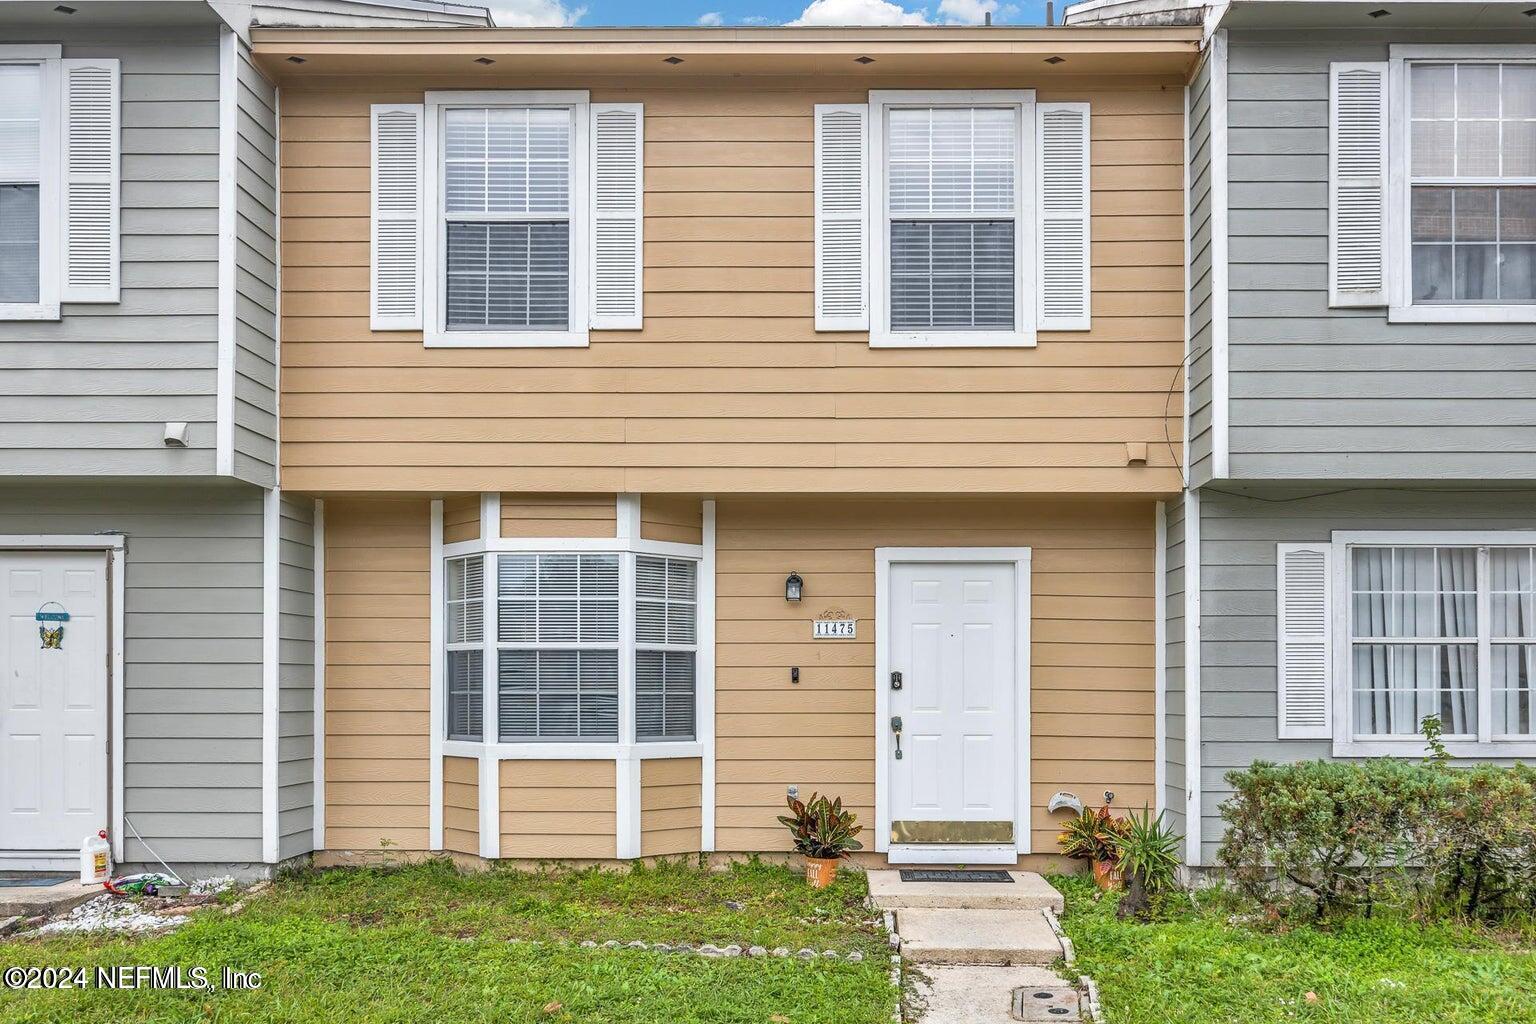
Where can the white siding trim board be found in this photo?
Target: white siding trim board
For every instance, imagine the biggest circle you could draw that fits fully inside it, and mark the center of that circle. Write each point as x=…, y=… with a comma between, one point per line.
x=229, y=142
x=319, y=702
x=1193, y=658
x=271, y=680
x=1220, y=384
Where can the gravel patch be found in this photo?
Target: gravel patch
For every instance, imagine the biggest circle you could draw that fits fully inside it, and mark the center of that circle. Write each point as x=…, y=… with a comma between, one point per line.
x=109, y=913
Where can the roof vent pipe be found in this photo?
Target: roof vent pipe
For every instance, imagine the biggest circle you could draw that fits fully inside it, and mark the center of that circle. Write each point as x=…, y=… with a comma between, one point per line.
x=1050, y=14
x=987, y=19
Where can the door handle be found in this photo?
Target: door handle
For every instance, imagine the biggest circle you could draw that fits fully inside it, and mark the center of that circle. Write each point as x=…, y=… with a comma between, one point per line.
x=896, y=728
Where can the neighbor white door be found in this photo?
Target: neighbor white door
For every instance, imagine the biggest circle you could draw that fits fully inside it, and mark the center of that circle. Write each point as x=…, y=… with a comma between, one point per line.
x=53, y=702
x=953, y=641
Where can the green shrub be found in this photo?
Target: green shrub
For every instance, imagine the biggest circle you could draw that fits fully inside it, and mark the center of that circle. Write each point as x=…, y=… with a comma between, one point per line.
x=1330, y=837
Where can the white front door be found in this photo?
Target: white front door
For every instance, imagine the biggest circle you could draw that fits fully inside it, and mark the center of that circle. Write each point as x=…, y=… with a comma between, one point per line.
x=953, y=641
x=53, y=701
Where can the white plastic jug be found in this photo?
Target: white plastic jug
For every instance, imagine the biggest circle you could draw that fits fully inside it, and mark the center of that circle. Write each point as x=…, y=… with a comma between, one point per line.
x=95, y=859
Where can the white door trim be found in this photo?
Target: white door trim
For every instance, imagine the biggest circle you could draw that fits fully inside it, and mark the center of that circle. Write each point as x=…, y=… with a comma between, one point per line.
x=1019, y=558
x=115, y=545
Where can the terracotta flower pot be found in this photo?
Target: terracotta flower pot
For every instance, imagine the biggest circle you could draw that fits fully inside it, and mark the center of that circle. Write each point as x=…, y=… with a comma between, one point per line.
x=819, y=871
x=1106, y=874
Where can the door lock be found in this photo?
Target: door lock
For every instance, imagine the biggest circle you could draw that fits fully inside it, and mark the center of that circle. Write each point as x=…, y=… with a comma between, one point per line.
x=896, y=728
x=895, y=680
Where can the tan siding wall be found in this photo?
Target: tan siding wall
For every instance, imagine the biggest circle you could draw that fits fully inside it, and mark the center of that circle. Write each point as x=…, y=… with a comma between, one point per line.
x=671, y=795
x=558, y=515
x=1092, y=649
x=377, y=686
x=461, y=518
x=729, y=387
x=461, y=805
x=678, y=518
x=558, y=809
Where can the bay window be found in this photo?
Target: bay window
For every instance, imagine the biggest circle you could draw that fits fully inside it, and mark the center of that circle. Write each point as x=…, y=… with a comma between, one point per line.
x=563, y=643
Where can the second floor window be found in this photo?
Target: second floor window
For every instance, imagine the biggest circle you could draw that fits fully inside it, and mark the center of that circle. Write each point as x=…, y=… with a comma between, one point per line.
x=507, y=216
x=20, y=182
x=1473, y=183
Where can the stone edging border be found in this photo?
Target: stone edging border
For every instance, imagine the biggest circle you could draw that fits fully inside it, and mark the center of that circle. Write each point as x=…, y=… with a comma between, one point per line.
x=898, y=1015
x=1069, y=954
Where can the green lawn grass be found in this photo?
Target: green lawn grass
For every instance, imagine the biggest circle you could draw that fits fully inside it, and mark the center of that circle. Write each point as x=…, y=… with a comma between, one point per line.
x=1207, y=966
x=425, y=943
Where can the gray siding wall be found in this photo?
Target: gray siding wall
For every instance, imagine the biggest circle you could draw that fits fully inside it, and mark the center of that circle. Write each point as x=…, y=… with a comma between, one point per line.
x=1198, y=357
x=1238, y=538
x=192, y=656
x=1340, y=393
x=90, y=393
x=296, y=679
x=1173, y=668
x=255, y=419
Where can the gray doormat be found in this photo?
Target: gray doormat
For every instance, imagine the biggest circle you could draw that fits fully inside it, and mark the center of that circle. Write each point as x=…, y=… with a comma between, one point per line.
x=919, y=875
x=37, y=880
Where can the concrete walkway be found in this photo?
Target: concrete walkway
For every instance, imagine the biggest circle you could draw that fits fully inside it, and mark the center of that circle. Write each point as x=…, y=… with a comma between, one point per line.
x=32, y=900
x=984, y=951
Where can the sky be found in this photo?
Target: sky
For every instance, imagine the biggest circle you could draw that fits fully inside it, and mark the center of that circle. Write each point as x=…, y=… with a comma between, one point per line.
x=767, y=12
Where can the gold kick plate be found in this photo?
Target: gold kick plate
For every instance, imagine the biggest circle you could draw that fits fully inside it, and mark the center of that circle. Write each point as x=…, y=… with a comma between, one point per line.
x=951, y=832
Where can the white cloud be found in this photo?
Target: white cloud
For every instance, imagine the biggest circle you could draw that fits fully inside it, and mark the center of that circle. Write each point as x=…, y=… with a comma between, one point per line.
x=711, y=19
x=534, y=13
x=966, y=12
x=858, y=12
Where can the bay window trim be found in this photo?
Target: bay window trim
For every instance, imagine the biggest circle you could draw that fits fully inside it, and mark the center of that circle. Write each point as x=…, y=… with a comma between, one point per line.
x=1024, y=216
x=434, y=256
x=1487, y=744
x=50, y=172
x=1401, y=308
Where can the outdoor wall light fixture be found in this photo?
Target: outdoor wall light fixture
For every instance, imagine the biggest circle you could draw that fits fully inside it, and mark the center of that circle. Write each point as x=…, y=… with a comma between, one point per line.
x=794, y=587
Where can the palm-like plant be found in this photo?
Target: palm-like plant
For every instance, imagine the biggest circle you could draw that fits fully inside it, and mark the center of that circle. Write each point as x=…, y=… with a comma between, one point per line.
x=1149, y=859
x=821, y=827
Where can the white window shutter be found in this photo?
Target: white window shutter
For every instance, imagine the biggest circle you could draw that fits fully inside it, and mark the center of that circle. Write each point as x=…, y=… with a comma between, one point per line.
x=1064, y=213
x=91, y=154
x=396, y=231
x=842, y=217
x=1357, y=184
x=1303, y=658
x=618, y=215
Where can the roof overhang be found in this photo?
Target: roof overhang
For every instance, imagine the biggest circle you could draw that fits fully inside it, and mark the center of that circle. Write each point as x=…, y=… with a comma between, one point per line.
x=730, y=52
x=45, y=16
x=1400, y=14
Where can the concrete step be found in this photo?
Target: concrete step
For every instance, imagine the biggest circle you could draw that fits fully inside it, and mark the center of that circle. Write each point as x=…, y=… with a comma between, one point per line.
x=1027, y=891
x=1006, y=937
x=964, y=994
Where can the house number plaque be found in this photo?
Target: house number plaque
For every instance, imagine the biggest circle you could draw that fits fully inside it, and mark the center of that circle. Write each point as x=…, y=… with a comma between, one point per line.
x=834, y=629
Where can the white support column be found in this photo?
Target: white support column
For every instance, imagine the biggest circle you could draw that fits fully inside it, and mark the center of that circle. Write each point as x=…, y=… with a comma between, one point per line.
x=1192, y=661
x=318, y=829
x=490, y=805
x=1160, y=658
x=435, y=711
x=627, y=510
x=117, y=566
x=490, y=516
x=627, y=821
x=705, y=675
x=271, y=664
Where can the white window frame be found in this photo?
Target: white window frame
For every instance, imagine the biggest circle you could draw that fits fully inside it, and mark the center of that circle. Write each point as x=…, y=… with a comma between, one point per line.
x=50, y=170
x=1401, y=307
x=434, y=256
x=1487, y=745
x=627, y=550
x=1026, y=226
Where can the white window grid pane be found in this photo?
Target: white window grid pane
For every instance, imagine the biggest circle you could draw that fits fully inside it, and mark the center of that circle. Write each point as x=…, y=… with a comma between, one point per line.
x=665, y=695
x=558, y=639
x=20, y=123
x=951, y=160
x=955, y=275
x=1473, y=243
x=666, y=601
x=1474, y=123
x=464, y=684
x=1396, y=685
x=1414, y=593
x=507, y=174
x=465, y=600
x=558, y=695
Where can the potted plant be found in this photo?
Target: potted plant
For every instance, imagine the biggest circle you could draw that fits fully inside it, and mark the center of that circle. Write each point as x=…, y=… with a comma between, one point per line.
x=824, y=832
x=1094, y=836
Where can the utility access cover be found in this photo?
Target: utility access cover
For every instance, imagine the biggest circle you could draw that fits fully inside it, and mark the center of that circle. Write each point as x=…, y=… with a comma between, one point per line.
x=920, y=875
x=1032, y=1004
